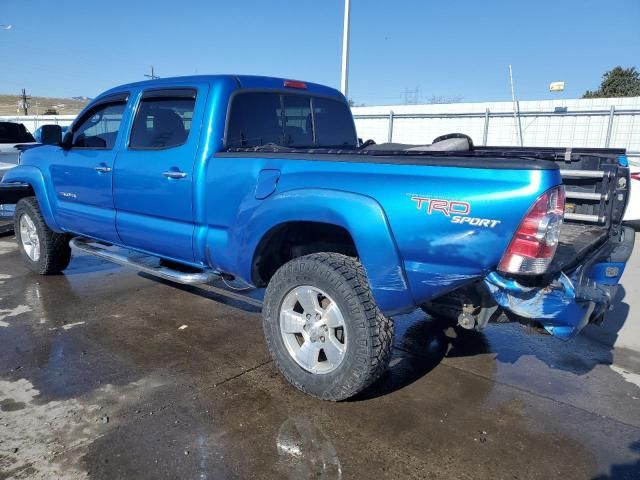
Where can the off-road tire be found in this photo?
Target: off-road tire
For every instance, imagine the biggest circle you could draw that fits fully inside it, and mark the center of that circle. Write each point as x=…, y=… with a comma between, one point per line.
x=369, y=338
x=55, y=252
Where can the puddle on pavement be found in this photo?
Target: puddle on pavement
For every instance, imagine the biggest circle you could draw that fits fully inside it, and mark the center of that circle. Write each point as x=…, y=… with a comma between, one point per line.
x=306, y=452
x=629, y=376
x=48, y=439
x=418, y=412
x=6, y=313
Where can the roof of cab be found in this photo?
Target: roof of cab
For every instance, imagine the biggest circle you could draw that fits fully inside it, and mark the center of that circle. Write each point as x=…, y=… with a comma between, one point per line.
x=253, y=82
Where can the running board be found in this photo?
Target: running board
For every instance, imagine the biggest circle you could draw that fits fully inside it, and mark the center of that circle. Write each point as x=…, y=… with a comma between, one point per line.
x=141, y=262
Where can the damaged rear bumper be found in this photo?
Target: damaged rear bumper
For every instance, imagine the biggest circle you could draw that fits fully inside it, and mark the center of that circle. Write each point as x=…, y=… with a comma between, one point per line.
x=570, y=300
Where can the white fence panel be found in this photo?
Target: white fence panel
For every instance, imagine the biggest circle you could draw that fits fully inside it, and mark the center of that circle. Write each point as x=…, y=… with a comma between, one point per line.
x=597, y=123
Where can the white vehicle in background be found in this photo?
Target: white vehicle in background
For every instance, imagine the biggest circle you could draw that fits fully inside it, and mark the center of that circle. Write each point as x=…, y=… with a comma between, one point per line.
x=12, y=137
x=632, y=214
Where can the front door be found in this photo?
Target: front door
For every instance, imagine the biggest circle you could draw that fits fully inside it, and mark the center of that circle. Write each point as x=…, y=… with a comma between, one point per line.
x=83, y=175
x=153, y=180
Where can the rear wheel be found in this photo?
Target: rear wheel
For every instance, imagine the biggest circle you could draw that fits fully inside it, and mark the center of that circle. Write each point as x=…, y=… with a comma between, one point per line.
x=323, y=328
x=44, y=251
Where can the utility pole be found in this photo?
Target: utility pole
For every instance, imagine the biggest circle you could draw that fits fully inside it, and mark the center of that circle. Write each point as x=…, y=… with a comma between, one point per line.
x=153, y=75
x=516, y=109
x=344, y=81
x=23, y=103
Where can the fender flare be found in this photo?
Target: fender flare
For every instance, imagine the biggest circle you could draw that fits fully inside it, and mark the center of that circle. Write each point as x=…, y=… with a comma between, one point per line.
x=33, y=177
x=360, y=215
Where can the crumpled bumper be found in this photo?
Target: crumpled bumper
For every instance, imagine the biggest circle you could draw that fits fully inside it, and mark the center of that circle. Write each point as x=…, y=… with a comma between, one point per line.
x=570, y=300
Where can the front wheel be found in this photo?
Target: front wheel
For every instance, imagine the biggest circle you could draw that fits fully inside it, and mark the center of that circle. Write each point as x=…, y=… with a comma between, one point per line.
x=323, y=328
x=45, y=251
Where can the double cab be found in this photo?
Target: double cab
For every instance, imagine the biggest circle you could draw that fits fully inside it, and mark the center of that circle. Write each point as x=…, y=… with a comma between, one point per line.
x=263, y=181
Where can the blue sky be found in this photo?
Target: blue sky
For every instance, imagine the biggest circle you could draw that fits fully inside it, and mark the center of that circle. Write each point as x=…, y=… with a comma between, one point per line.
x=447, y=49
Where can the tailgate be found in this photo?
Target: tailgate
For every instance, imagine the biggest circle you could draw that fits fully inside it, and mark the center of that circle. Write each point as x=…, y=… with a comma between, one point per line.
x=592, y=251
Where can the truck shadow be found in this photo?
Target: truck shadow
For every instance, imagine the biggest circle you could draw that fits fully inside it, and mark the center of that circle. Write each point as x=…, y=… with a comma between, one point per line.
x=423, y=342
x=624, y=471
x=594, y=346
x=607, y=334
x=246, y=301
x=420, y=346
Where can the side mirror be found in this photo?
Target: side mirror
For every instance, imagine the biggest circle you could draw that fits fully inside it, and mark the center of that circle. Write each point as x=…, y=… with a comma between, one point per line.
x=67, y=140
x=51, y=134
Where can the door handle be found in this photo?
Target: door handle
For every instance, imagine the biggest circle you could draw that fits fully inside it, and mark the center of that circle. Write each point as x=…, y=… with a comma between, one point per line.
x=102, y=168
x=175, y=174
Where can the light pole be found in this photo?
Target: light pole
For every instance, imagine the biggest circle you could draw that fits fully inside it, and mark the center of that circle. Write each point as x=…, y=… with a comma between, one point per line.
x=516, y=109
x=344, y=81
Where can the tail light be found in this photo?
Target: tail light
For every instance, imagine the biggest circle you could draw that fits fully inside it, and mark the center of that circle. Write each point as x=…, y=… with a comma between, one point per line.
x=635, y=176
x=534, y=244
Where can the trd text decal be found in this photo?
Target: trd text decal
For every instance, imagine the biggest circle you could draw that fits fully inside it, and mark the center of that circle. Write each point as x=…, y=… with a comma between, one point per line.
x=456, y=211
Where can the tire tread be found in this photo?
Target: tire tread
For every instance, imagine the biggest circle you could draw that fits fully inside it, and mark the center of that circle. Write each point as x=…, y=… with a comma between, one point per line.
x=55, y=252
x=379, y=327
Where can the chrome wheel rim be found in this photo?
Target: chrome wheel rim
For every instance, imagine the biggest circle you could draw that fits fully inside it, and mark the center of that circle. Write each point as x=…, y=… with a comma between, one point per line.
x=313, y=329
x=29, y=237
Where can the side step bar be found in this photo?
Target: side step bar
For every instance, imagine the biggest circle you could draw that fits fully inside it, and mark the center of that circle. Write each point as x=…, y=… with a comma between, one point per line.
x=144, y=263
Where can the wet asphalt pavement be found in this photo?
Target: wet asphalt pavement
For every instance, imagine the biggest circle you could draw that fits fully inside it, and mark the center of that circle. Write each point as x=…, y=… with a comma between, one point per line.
x=98, y=380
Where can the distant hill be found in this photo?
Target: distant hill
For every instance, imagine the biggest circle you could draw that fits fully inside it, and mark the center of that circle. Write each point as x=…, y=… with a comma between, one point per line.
x=39, y=105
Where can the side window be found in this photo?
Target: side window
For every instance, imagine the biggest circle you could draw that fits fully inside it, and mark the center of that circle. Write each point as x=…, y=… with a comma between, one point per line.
x=99, y=128
x=163, y=119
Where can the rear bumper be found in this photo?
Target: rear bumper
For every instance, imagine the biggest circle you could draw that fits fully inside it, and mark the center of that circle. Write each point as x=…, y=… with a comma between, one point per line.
x=573, y=299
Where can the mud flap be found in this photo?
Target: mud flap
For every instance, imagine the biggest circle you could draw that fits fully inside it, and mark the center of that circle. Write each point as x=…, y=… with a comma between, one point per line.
x=569, y=301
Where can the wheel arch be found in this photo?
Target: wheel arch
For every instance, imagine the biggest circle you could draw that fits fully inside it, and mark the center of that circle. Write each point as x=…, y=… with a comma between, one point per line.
x=32, y=177
x=358, y=219
x=292, y=239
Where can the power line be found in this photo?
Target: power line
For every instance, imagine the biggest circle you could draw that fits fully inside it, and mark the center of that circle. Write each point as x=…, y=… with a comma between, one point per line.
x=153, y=75
x=411, y=97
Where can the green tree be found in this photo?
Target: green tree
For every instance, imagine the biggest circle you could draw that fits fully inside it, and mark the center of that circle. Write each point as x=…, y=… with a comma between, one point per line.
x=619, y=82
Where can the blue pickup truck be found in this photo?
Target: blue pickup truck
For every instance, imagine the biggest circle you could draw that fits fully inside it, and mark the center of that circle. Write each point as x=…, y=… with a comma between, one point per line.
x=264, y=181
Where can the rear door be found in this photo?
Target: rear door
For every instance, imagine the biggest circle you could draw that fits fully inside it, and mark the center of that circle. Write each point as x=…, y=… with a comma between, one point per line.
x=153, y=180
x=82, y=176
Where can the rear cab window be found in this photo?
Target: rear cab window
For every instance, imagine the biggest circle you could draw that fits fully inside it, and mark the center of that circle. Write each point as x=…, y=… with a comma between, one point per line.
x=289, y=120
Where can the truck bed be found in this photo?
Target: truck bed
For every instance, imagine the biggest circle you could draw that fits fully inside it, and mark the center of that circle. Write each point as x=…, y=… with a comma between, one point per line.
x=596, y=189
x=576, y=241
